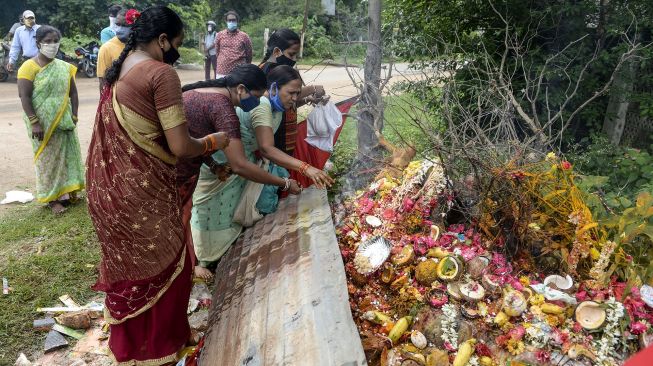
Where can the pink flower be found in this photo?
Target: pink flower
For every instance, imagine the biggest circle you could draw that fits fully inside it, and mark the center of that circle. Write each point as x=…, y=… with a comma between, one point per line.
x=565, y=165
x=581, y=296
x=543, y=356
x=577, y=328
x=437, y=302
x=638, y=328
x=408, y=204
x=449, y=347
x=517, y=333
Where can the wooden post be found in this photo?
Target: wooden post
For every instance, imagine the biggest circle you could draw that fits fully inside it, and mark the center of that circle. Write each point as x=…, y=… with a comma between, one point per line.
x=301, y=42
x=266, y=38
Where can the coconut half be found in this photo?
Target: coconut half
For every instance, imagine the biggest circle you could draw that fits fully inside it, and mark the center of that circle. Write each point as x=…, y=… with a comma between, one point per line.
x=490, y=283
x=453, y=289
x=373, y=221
x=590, y=315
x=514, y=303
x=449, y=269
x=472, y=291
x=560, y=283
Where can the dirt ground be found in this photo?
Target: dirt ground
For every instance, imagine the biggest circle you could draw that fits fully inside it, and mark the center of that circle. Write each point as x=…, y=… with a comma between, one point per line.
x=15, y=149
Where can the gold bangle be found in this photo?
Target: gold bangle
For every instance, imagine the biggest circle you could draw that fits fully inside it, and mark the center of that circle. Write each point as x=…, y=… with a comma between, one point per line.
x=214, y=143
x=206, y=146
x=75, y=118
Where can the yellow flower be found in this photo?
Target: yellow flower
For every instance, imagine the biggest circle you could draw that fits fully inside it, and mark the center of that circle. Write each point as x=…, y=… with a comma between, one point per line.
x=594, y=253
x=515, y=347
x=552, y=320
x=527, y=325
x=524, y=281
x=537, y=299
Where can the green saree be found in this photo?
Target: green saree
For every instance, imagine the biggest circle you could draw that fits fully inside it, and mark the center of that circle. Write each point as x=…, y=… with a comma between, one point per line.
x=57, y=158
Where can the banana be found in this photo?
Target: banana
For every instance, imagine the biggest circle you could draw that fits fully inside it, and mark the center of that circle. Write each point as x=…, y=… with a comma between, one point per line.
x=551, y=308
x=376, y=317
x=465, y=352
x=400, y=328
x=486, y=361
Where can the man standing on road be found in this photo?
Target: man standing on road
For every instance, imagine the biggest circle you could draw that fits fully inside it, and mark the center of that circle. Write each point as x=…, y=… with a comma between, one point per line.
x=210, y=57
x=24, y=40
x=111, y=50
x=232, y=46
x=12, y=31
x=109, y=32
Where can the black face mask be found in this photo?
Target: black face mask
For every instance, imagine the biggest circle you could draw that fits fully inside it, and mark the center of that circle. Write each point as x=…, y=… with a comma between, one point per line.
x=284, y=60
x=170, y=56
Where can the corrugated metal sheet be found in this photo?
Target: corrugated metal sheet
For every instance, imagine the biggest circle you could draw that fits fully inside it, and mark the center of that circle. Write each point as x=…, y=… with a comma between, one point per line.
x=281, y=293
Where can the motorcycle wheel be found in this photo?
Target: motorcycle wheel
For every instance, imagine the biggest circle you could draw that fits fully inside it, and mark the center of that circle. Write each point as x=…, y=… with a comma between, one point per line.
x=89, y=70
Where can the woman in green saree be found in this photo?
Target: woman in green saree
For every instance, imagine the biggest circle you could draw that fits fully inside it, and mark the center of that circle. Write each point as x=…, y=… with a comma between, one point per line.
x=215, y=202
x=48, y=95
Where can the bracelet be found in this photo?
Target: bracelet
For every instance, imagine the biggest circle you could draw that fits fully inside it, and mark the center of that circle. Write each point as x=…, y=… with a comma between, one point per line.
x=33, y=119
x=75, y=118
x=214, y=142
x=304, y=168
x=286, y=185
x=206, y=146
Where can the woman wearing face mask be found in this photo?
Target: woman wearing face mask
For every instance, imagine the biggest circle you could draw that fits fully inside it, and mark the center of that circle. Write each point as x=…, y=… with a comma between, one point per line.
x=283, y=48
x=49, y=98
x=210, y=106
x=213, y=204
x=140, y=132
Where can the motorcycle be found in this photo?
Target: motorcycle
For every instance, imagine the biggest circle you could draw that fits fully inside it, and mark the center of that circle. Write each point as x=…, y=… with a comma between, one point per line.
x=4, y=59
x=87, y=58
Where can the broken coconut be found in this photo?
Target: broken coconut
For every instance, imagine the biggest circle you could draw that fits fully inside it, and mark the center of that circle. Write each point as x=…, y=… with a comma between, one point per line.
x=373, y=221
x=418, y=339
x=472, y=291
x=514, y=303
x=590, y=315
x=453, y=289
x=476, y=266
x=75, y=320
x=559, y=282
x=405, y=256
x=491, y=284
x=449, y=268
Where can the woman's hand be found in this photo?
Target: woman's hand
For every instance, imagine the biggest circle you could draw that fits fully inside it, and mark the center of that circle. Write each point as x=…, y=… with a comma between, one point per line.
x=37, y=131
x=295, y=188
x=223, y=171
x=319, y=178
x=221, y=139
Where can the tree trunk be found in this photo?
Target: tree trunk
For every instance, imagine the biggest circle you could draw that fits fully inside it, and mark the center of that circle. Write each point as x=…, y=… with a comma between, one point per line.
x=370, y=116
x=614, y=121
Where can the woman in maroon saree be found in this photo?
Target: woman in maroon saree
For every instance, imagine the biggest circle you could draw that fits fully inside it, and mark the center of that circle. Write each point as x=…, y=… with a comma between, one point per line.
x=140, y=131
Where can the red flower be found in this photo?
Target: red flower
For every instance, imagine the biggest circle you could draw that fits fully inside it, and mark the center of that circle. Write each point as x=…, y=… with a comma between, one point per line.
x=565, y=165
x=437, y=302
x=131, y=16
x=483, y=350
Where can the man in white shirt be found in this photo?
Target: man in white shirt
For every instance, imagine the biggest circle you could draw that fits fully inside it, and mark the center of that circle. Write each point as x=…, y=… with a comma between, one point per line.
x=24, y=40
x=210, y=56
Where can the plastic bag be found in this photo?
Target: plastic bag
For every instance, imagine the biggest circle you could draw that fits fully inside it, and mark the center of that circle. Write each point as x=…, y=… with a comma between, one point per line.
x=17, y=196
x=322, y=124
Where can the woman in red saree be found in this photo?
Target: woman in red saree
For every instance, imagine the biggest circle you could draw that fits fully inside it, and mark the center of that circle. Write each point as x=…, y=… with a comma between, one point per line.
x=140, y=131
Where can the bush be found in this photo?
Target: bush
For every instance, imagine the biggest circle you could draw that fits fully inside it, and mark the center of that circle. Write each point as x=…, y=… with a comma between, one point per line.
x=68, y=44
x=614, y=173
x=190, y=56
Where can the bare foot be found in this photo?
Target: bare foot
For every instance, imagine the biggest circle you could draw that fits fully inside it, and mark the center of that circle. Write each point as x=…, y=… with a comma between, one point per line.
x=56, y=207
x=203, y=273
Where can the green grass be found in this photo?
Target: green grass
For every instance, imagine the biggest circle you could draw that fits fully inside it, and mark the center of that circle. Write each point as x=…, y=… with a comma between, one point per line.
x=43, y=256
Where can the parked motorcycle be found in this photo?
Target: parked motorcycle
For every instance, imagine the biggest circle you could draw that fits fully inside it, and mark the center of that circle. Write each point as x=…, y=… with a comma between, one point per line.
x=4, y=59
x=87, y=58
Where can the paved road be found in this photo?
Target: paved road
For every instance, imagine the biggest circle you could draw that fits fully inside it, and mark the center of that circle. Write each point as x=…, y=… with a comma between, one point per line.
x=16, y=157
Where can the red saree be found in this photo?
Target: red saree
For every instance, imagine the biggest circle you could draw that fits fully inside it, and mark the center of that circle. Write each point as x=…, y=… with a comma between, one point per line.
x=136, y=210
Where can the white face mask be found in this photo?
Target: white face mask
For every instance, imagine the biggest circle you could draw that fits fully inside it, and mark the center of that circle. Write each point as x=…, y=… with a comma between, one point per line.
x=49, y=50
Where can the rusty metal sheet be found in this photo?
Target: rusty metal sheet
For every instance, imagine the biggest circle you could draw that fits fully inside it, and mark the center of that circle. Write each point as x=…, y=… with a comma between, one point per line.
x=281, y=293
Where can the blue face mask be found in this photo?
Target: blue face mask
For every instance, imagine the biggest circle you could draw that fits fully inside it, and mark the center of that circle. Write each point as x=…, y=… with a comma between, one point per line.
x=123, y=33
x=232, y=26
x=275, y=99
x=249, y=103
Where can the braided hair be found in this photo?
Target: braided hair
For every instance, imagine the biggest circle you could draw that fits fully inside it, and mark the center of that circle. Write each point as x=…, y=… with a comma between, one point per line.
x=152, y=22
x=247, y=74
x=281, y=39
